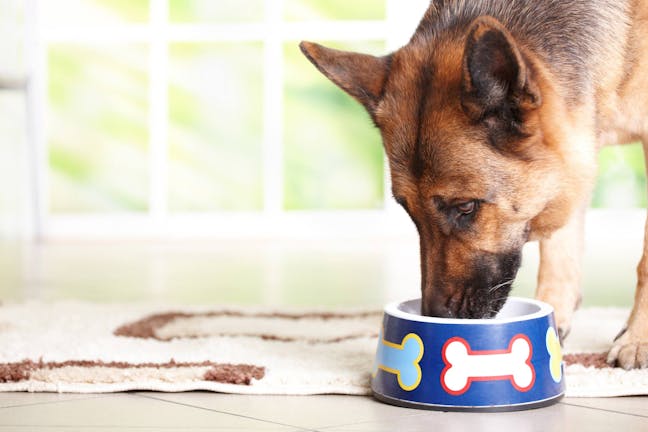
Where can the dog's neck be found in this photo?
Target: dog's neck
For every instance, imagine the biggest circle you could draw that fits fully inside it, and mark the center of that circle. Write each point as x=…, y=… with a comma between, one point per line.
x=567, y=131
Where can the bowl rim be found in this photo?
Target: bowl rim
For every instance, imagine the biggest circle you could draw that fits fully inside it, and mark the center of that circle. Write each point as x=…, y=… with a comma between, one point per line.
x=545, y=310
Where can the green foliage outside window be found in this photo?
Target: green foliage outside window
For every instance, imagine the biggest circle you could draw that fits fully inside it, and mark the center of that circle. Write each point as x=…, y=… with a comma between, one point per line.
x=98, y=118
x=215, y=127
x=317, y=10
x=98, y=128
x=333, y=153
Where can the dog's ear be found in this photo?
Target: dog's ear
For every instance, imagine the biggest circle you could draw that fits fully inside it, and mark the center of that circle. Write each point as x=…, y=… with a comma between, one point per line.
x=498, y=84
x=360, y=75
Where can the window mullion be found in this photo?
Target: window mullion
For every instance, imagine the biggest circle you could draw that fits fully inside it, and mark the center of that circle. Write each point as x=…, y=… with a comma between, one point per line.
x=273, y=176
x=158, y=110
x=35, y=103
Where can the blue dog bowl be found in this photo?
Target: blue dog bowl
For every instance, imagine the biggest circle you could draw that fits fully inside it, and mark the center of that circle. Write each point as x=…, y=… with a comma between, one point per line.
x=511, y=362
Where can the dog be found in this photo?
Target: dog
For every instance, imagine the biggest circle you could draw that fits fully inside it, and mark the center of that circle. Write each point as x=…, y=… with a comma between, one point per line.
x=491, y=117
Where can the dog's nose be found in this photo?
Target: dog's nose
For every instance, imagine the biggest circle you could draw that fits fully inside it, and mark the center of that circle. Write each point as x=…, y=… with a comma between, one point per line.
x=436, y=309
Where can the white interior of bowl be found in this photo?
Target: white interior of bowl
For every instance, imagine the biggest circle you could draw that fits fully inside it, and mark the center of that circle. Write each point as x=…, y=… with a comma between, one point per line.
x=515, y=309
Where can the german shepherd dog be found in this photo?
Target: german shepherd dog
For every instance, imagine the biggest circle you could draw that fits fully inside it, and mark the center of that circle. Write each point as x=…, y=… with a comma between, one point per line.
x=491, y=117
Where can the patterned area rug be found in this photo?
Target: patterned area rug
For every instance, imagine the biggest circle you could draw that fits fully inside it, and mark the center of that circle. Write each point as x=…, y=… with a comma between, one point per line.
x=84, y=347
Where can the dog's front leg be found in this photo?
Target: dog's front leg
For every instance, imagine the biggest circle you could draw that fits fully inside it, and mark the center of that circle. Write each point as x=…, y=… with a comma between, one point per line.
x=630, y=349
x=559, y=275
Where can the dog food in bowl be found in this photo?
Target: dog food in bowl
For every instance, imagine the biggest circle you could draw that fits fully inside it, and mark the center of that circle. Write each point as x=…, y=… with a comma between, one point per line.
x=510, y=362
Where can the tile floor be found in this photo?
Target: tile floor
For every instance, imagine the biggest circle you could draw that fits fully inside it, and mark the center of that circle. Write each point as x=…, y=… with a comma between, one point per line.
x=274, y=274
x=144, y=411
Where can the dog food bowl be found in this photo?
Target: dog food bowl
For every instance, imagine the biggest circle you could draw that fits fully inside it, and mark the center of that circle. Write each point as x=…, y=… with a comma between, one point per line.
x=511, y=362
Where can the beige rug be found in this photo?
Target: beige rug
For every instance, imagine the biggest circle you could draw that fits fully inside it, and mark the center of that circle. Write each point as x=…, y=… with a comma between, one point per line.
x=83, y=347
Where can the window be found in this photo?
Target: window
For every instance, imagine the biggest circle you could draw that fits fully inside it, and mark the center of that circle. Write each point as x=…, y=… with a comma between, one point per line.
x=622, y=178
x=170, y=117
x=166, y=116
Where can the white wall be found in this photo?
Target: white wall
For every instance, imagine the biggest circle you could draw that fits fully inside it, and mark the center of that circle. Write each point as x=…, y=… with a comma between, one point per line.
x=13, y=155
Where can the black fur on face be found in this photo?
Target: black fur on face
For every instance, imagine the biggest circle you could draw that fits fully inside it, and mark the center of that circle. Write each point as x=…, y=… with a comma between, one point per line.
x=482, y=293
x=489, y=285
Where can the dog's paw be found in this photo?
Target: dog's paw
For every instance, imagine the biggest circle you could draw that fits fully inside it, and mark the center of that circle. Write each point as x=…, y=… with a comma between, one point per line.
x=563, y=332
x=564, y=308
x=629, y=352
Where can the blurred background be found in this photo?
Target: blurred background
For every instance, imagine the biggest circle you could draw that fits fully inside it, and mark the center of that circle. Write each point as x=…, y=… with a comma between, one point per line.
x=185, y=151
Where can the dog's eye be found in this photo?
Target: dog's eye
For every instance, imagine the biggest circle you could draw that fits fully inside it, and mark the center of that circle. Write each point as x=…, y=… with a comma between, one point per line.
x=466, y=208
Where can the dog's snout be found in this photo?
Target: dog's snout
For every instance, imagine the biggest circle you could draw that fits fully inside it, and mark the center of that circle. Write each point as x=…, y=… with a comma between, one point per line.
x=436, y=308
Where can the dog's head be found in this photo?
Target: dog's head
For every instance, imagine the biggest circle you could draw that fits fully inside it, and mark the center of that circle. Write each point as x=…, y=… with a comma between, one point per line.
x=470, y=153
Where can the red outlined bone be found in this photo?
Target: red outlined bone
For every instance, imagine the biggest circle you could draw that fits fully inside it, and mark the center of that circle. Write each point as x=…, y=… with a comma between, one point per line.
x=463, y=365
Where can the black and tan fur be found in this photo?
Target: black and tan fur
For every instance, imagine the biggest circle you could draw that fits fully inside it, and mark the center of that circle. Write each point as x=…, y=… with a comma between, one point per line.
x=492, y=116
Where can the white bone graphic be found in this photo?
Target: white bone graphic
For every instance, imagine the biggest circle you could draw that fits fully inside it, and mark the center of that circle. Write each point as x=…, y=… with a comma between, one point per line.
x=463, y=366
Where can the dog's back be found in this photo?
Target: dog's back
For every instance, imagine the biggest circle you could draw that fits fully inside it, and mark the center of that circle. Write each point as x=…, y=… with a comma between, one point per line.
x=582, y=41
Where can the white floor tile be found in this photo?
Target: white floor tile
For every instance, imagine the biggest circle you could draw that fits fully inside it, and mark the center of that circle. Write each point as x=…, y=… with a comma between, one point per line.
x=125, y=429
x=123, y=411
x=11, y=399
x=629, y=405
x=558, y=418
x=313, y=412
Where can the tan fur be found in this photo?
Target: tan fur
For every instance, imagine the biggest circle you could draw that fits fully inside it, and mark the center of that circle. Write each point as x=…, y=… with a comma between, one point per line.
x=622, y=102
x=433, y=118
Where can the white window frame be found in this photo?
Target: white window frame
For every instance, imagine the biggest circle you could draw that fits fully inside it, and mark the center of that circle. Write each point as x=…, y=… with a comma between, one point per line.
x=273, y=221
